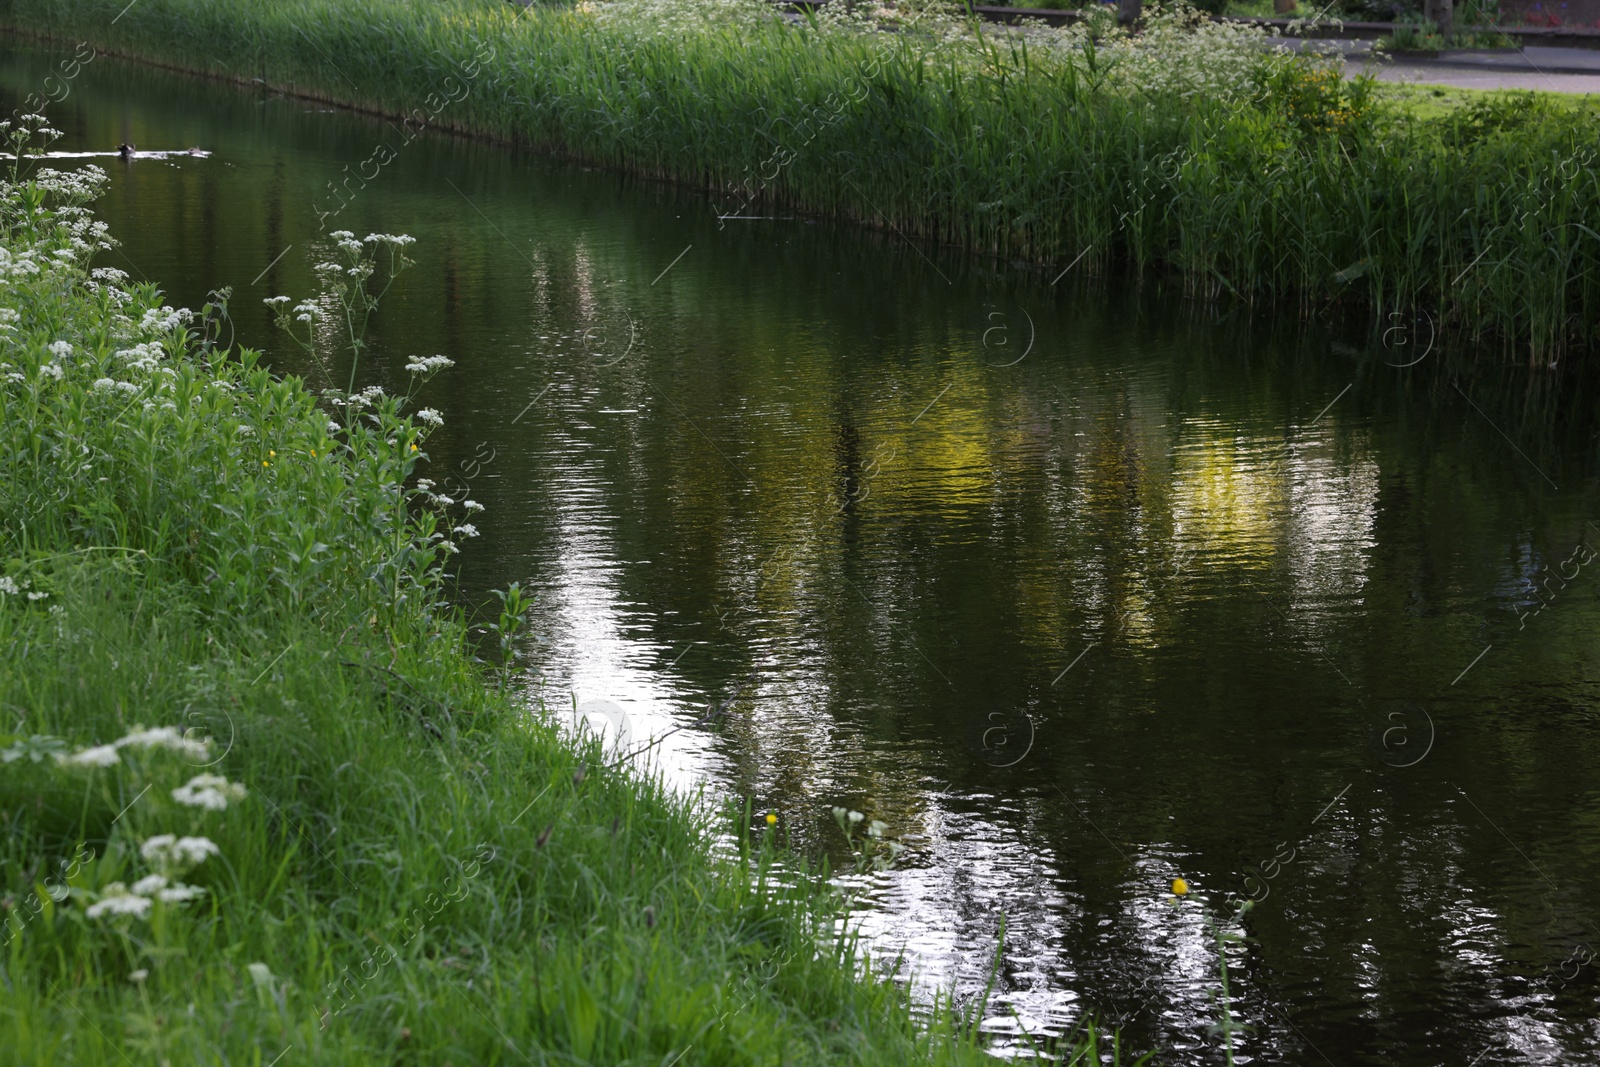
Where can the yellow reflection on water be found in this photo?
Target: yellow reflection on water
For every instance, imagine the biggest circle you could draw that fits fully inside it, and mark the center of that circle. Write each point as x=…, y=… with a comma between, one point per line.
x=1229, y=494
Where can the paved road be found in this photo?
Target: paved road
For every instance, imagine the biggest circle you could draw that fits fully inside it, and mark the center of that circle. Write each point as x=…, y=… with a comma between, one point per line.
x=1470, y=75
x=1469, y=78
x=1556, y=70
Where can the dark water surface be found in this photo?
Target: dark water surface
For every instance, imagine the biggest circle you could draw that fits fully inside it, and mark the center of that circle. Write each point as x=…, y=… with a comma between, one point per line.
x=1177, y=590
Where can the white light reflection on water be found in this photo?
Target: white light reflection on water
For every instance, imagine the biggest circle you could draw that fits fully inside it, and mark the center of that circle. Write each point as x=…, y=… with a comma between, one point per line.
x=589, y=649
x=942, y=911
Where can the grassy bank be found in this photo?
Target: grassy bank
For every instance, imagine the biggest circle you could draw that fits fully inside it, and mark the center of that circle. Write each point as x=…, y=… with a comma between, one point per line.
x=1189, y=148
x=261, y=805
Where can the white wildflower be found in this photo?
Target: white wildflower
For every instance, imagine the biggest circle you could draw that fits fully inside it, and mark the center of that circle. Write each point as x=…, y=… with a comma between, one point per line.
x=471, y=506
x=168, y=852
x=98, y=756
x=37, y=595
x=430, y=364
x=275, y=302
x=156, y=885
x=179, y=893
x=8, y=584
x=163, y=319
x=430, y=417
x=168, y=737
x=466, y=529
x=145, y=357
x=368, y=396
x=138, y=976
x=60, y=349
x=50, y=370
x=116, y=900
x=209, y=791
x=147, y=885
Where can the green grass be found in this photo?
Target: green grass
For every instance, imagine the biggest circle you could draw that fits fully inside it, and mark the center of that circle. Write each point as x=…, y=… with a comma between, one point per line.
x=1187, y=149
x=1434, y=102
x=417, y=872
x=1257, y=9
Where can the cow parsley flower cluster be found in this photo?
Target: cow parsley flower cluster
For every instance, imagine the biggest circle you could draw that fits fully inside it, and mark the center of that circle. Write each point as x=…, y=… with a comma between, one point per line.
x=371, y=395
x=117, y=901
x=175, y=855
x=667, y=20
x=164, y=319
x=96, y=756
x=209, y=791
x=172, y=856
x=10, y=586
x=430, y=364
x=165, y=890
x=168, y=738
x=347, y=241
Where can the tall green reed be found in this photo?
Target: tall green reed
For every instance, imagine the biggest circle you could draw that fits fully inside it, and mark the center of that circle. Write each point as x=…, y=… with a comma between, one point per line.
x=1193, y=147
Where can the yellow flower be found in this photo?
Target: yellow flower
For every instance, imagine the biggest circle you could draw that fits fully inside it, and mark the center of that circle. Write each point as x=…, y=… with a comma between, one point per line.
x=413, y=448
x=1179, y=887
x=264, y=463
x=271, y=453
x=313, y=453
x=772, y=818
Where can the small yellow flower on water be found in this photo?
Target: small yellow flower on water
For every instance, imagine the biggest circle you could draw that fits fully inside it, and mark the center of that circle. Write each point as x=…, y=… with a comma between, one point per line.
x=772, y=818
x=1179, y=887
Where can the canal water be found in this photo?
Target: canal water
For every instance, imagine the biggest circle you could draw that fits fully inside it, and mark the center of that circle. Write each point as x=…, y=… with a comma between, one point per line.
x=1079, y=585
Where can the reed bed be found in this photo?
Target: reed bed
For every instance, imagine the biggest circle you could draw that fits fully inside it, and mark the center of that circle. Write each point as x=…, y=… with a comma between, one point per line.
x=1191, y=147
x=260, y=802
